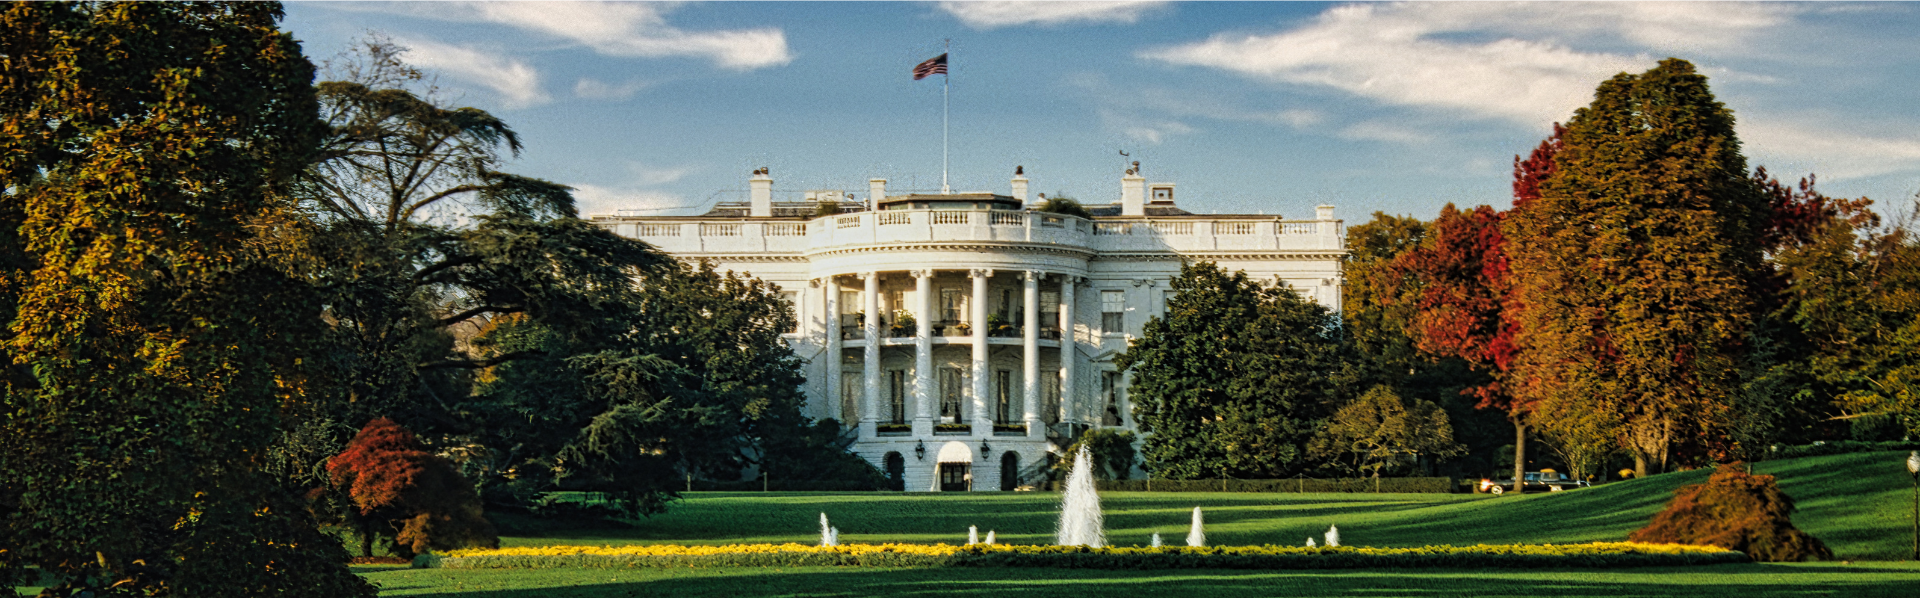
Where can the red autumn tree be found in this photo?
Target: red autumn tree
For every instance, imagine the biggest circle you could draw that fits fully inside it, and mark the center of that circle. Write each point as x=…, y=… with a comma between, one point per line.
x=400, y=491
x=1462, y=307
x=1737, y=511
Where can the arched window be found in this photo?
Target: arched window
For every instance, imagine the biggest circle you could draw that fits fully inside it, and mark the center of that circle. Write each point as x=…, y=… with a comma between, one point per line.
x=896, y=472
x=1009, y=470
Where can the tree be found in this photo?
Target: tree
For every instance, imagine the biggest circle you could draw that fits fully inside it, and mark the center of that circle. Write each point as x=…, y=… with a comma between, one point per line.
x=153, y=336
x=401, y=492
x=424, y=240
x=1111, y=451
x=1734, y=510
x=1635, y=265
x=1380, y=296
x=1380, y=430
x=1235, y=379
x=1061, y=204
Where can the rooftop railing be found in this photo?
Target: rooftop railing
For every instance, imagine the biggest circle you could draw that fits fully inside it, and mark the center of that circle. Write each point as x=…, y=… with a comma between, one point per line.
x=1180, y=234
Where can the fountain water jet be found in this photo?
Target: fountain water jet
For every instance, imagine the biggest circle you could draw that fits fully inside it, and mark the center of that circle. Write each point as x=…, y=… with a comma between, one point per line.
x=828, y=535
x=1333, y=535
x=989, y=537
x=1197, y=537
x=973, y=534
x=1156, y=539
x=1310, y=543
x=1080, y=519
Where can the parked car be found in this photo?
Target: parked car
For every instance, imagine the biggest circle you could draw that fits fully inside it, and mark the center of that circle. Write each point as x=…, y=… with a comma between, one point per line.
x=1534, y=481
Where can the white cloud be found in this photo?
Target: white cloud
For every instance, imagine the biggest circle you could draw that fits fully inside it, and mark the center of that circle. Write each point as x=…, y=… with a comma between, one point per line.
x=1151, y=114
x=517, y=83
x=596, y=199
x=1499, y=61
x=639, y=29
x=989, y=15
x=1826, y=150
x=595, y=89
x=1382, y=131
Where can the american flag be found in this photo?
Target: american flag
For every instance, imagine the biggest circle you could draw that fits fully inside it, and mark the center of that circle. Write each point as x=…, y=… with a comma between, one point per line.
x=933, y=66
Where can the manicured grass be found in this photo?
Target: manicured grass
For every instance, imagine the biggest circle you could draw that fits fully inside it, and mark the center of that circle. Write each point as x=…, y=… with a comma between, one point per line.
x=1860, y=504
x=1865, y=580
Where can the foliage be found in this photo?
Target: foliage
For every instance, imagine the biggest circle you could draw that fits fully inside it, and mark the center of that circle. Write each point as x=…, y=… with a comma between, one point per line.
x=400, y=491
x=1111, y=451
x=1063, y=205
x=151, y=334
x=1381, y=430
x=1736, y=511
x=1294, y=485
x=1601, y=554
x=1636, y=264
x=1379, y=297
x=1236, y=379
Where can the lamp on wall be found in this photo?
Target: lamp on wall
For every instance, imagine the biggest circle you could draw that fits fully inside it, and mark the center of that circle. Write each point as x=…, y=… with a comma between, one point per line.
x=920, y=450
x=985, y=450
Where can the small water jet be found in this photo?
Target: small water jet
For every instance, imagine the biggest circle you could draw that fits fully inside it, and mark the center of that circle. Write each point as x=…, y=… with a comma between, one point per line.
x=1080, y=520
x=989, y=537
x=1333, y=535
x=1197, y=537
x=1310, y=543
x=828, y=535
x=973, y=534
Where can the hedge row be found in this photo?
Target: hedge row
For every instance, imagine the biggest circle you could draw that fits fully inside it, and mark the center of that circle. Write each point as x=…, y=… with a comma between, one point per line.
x=1386, y=485
x=784, y=486
x=1838, y=448
x=1597, y=555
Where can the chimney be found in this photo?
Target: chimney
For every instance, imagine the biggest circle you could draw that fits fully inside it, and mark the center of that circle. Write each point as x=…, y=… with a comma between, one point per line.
x=1020, y=183
x=762, y=194
x=876, y=191
x=1323, y=212
x=1133, y=192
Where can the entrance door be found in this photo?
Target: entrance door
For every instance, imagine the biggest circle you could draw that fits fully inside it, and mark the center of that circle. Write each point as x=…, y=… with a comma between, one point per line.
x=953, y=477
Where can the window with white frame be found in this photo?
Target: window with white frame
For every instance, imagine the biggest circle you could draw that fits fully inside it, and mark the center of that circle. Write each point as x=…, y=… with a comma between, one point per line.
x=1110, y=391
x=851, y=385
x=1113, y=312
x=953, y=306
x=897, y=396
x=953, y=394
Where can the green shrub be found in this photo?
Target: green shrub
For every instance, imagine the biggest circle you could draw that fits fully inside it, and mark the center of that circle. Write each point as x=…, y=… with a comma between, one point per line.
x=1349, y=485
x=1737, y=511
x=1837, y=448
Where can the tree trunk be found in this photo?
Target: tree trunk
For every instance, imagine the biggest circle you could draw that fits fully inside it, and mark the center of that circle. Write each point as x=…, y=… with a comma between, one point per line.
x=1519, y=454
x=366, y=543
x=1639, y=463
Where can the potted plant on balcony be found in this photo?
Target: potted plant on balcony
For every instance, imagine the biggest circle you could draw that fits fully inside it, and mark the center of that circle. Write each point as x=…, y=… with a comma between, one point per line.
x=903, y=324
x=963, y=328
x=998, y=326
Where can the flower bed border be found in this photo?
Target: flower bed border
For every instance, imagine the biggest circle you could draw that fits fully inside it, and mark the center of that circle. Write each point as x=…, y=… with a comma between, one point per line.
x=1513, y=556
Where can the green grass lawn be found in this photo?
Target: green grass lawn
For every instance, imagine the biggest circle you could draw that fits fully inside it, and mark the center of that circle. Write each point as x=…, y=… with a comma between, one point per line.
x=1858, y=580
x=1860, y=504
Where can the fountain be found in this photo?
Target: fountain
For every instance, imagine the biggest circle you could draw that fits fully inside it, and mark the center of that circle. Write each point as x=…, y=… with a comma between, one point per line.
x=973, y=535
x=1197, y=537
x=1310, y=543
x=1156, y=539
x=1333, y=535
x=829, y=535
x=989, y=537
x=1080, y=507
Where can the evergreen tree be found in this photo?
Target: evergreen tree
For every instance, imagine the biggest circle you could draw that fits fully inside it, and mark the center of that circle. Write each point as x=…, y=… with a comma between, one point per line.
x=1236, y=379
x=154, y=336
x=1636, y=264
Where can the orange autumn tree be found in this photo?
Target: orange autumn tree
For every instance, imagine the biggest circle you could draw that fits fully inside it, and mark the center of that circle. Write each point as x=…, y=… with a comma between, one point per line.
x=1737, y=511
x=400, y=491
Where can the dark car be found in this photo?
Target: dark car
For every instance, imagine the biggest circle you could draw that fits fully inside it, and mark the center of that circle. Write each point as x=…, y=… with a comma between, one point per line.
x=1535, y=481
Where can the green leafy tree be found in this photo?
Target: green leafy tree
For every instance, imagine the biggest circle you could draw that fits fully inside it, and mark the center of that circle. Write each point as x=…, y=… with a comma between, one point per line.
x=153, y=337
x=1380, y=430
x=1061, y=204
x=1235, y=379
x=1110, y=449
x=1380, y=296
x=1636, y=265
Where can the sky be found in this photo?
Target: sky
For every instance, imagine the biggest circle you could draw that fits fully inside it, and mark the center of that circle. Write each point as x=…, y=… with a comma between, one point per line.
x=1249, y=107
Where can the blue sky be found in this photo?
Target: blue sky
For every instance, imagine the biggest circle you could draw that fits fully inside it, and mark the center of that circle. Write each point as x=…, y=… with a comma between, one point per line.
x=1249, y=107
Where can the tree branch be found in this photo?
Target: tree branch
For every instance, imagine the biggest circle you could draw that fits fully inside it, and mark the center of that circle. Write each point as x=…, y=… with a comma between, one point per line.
x=424, y=273
x=474, y=364
x=469, y=314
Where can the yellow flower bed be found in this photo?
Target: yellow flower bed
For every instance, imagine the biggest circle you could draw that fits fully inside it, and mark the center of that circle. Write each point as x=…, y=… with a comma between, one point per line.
x=678, y=550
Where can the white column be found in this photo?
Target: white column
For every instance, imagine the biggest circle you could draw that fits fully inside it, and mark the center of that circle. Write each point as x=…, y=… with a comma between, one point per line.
x=982, y=426
x=870, y=401
x=923, y=405
x=1030, y=353
x=832, y=356
x=1069, y=351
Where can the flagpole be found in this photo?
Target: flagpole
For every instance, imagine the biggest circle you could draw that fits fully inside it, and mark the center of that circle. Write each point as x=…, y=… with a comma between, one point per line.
x=946, y=81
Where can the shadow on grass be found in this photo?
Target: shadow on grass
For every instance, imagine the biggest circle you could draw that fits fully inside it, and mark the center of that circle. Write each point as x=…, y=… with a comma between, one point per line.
x=1742, y=581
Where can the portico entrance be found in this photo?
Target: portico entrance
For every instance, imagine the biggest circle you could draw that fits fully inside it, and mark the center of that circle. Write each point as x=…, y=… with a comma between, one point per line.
x=954, y=477
x=955, y=463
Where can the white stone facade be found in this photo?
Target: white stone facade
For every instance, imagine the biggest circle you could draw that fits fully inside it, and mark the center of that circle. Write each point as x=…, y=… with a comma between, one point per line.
x=964, y=336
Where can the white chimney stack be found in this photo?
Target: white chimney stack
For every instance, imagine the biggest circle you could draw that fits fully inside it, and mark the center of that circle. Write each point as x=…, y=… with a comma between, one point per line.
x=1020, y=183
x=876, y=191
x=1133, y=192
x=1323, y=212
x=762, y=194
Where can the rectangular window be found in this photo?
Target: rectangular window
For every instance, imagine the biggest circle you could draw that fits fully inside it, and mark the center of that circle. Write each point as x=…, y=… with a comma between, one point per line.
x=1003, y=397
x=1113, y=312
x=851, y=383
x=953, y=394
x=1110, y=393
x=896, y=303
x=1051, y=394
x=850, y=309
x=1006, y=306
x=1049, y=314
x=953, y=306
x=897, y=396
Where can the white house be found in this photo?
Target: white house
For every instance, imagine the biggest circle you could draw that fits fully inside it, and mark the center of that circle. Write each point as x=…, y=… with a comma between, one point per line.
x=964, y=335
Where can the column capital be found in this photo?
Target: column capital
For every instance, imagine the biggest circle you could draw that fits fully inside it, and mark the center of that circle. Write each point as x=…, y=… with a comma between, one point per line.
x=867, y=275
x=922, y=273
x=1032, y=275
x=1147, y=282
x=980, y=273
x=815, y=283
